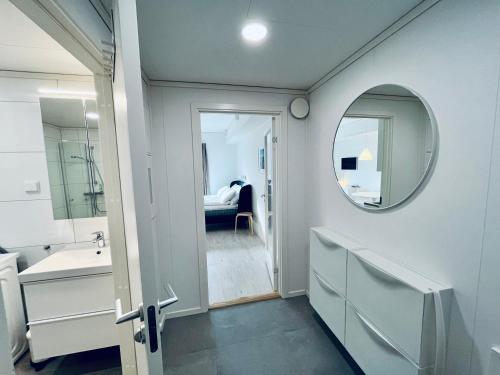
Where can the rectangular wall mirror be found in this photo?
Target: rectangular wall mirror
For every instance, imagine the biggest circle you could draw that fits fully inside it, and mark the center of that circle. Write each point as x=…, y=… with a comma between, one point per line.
x=71, y=134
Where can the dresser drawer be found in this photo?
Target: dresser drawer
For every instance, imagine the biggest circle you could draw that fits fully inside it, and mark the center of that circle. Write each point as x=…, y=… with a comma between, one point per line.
x=54, y=337
x=69, y=296
x=373, y=351
x=328, y=258
x=403, y=312
x=328, y=303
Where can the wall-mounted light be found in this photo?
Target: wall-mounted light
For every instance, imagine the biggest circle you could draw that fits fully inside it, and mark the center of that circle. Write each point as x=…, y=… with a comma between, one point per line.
x=254, y=32
x=70, y=94
x=92, y=116
x=365, y=155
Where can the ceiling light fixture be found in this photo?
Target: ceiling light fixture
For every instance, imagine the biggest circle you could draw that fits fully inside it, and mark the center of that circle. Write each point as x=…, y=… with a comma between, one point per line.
x=67, y=93
x=365, y=155
x=92, y=116
x=254, y=32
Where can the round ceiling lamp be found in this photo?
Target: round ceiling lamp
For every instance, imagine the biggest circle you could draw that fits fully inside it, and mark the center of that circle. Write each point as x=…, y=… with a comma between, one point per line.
x=254, y=32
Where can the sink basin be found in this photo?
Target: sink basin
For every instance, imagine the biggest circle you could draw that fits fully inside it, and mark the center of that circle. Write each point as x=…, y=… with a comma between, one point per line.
x=69, y=263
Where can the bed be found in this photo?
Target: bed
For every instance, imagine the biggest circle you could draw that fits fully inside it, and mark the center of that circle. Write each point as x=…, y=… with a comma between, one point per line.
x=219, y=214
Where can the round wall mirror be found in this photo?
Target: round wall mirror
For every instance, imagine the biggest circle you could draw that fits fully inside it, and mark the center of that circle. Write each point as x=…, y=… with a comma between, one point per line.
x=384, y=147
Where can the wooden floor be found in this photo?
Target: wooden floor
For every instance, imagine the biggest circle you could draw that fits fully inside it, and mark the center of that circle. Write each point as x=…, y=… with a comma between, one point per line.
x=236, y=266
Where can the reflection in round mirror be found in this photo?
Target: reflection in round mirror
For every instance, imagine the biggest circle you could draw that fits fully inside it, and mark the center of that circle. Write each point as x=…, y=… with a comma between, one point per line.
x=384, y=147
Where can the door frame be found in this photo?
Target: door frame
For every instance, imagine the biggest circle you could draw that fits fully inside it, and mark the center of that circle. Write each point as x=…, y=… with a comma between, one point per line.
x=51, y=18
x=281, y=187
x=272, y=151
x=387, y=118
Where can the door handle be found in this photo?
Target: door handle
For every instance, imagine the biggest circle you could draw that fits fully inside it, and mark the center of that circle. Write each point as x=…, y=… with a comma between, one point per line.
x=168, y=301
x=139, y=312
x=131, y=315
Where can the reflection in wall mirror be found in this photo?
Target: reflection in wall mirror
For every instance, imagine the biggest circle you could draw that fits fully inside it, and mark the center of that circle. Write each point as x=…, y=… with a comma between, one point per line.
x=74, y=161
x=384, y=147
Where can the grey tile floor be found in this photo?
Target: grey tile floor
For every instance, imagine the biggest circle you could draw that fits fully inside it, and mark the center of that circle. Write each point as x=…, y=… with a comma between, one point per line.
x=271, y=337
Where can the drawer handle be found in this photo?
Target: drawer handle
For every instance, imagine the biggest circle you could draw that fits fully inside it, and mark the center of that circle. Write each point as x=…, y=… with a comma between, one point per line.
x=382, y=337
x=381, y=274
x=70, y=317
x=325, y=284
x=326, y=241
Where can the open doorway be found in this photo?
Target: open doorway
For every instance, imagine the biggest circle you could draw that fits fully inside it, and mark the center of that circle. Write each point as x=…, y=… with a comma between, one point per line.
x=238, y=173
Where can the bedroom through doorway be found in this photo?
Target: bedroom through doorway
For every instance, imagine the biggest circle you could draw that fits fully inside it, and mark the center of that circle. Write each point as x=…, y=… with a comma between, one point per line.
x=239, y=166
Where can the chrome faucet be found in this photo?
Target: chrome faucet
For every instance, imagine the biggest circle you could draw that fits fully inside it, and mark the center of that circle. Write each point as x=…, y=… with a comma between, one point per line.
x=99, y=239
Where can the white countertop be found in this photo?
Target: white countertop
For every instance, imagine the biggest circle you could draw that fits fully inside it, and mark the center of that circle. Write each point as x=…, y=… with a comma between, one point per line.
x=69, y=263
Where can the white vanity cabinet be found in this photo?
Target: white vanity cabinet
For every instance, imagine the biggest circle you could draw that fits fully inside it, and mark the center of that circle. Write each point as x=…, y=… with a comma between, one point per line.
x=69, y=299
x=390, y=319
x=13, y=305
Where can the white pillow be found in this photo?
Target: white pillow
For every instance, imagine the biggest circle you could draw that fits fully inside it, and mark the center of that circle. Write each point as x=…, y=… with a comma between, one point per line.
x=226, y=196
x=236, y=188
x=222, y=190
x=235, y=199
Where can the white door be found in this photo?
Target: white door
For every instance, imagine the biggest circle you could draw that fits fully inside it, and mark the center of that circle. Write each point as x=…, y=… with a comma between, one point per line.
x=270, y=217
x=136, y=198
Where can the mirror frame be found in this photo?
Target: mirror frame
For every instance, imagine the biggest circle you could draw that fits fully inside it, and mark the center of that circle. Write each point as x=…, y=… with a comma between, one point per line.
x=429, y=169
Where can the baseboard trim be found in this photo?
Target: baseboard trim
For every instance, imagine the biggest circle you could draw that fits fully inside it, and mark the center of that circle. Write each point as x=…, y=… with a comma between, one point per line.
x=184, y=312
x=295, y=293
x=243, y=300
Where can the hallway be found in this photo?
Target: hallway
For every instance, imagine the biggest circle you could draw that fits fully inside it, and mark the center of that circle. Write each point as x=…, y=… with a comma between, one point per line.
x=278, y=337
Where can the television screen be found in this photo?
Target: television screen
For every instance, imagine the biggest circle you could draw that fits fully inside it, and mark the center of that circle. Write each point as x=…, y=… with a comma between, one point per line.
x=349, y=163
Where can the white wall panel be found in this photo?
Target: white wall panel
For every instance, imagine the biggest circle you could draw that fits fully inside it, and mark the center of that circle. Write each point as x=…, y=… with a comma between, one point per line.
x=487, y=330
x=23, y=89
x=18, y=168
x=449, y=55
x=28, y=223
x=174, y=175
x=22, y=129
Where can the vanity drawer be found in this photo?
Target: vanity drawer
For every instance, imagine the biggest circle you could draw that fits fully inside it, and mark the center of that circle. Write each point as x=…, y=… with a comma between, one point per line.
x=54, y=337
x=69, y=296
x=403, y=312
x=328, y=258
x=328, y=303
x=373, y=351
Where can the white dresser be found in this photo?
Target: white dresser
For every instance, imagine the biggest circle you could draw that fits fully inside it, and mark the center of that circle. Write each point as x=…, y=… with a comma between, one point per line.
x=391, y=320
x=69, y=300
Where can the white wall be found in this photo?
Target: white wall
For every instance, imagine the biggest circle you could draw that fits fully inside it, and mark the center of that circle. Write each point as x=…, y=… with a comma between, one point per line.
x=174, y=186
x=248, y=146
x=222, y=163
x=26, y=219
x=450, y=56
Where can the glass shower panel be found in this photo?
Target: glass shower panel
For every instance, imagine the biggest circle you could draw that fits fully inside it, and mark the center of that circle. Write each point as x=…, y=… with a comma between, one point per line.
x=71, y=132
x=76, y=178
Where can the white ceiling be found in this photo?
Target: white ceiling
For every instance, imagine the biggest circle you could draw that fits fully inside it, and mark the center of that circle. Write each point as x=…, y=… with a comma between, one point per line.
x=216, y=122
x=26, y=47
x=199, y=40
x=234, y=126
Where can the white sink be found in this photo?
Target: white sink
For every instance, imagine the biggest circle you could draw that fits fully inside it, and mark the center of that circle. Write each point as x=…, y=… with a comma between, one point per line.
x=69, y=263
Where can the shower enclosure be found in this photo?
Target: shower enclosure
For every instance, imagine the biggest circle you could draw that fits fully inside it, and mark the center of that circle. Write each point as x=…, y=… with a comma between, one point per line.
x=73, y=157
